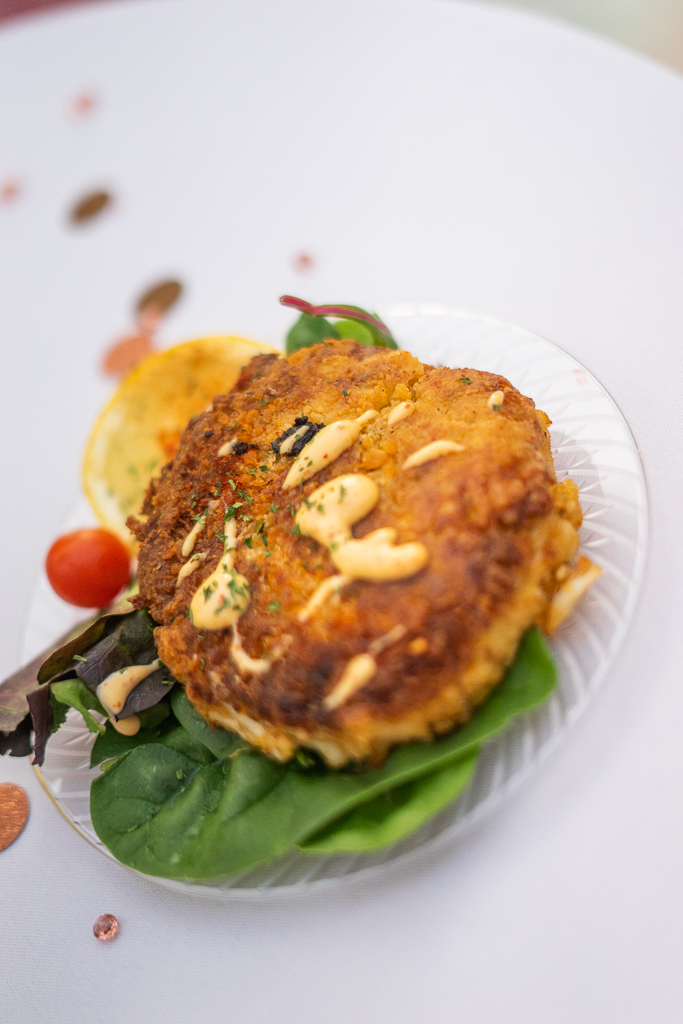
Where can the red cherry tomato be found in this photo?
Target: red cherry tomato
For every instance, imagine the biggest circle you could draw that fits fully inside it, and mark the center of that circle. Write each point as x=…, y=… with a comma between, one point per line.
x=88, y=567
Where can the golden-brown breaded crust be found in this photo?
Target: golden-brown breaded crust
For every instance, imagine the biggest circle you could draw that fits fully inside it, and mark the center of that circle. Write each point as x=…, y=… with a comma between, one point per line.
x=496, y=524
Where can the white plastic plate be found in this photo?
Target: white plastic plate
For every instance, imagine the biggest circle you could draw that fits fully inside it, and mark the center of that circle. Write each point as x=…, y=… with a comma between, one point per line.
x=591, y=443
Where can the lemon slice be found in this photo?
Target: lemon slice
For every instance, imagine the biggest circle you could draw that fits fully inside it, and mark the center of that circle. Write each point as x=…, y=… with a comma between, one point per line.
x=138, y=430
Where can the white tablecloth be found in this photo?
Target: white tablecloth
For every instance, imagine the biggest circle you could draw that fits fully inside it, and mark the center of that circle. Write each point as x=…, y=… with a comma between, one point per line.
x=432, y=152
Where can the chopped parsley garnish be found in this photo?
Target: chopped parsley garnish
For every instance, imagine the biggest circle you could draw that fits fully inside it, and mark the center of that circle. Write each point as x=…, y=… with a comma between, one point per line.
x=274, y=508
x=232, y=484
x=274, y=607
x=264, y=401
x=247, y=541
x=264, y=469
x=295, y=530
x=342, y=493
x=466, y=380
x=345, y=394
x=79, y=657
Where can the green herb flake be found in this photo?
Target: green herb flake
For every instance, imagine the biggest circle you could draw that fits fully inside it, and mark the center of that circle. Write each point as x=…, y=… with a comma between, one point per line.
x=274, y=508
x=274, y=607
x=342, y=493
x=345, y=394
x=247, y=541
x=295, y=530
x=264, y=401
x=79, y=657
x=465, y=380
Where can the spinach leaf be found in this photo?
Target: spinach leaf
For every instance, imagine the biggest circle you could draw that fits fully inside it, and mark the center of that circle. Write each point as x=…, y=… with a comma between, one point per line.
x=308, y=331
x=154, y=722
x=220, y=742
x=354, y=330
x=378, y=332
x=195, y=813
x=394, y=814
x=74, y=693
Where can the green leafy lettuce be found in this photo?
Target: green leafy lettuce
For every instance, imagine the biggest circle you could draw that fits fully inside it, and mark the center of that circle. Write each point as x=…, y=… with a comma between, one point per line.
x=313, y=327
x=197, y=803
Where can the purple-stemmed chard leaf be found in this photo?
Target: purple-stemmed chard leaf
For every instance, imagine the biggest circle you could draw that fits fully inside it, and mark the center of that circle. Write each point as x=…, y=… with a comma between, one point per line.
x=381, y=335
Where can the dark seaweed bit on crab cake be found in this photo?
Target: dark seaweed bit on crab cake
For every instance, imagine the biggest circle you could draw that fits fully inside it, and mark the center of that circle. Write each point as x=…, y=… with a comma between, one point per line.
x=372, y=586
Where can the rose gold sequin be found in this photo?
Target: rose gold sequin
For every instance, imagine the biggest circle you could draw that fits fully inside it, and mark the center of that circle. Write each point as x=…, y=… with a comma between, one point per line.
x=9, y=190
x=82, y=105
x=160, y=296
x=90, y=206
x=150, y=309
x=13, y=813
x=303, y=262
x=126, y=353
x=105, y=928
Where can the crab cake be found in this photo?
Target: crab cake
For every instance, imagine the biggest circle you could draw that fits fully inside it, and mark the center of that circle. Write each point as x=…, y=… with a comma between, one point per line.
x=348, y=547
